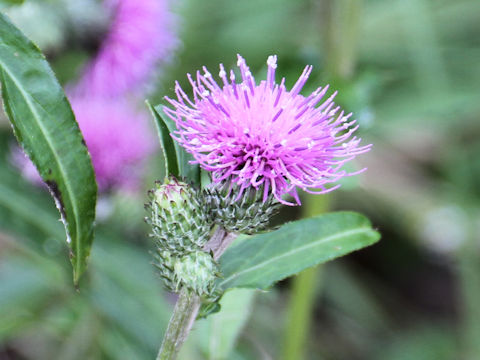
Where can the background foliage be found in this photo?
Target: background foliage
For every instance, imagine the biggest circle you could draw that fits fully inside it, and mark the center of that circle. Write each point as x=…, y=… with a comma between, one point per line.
x=409, y=71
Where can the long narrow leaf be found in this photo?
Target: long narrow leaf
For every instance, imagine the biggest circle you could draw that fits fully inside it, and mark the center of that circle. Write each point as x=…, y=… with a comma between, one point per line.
x=262, y=260
x=44, y=124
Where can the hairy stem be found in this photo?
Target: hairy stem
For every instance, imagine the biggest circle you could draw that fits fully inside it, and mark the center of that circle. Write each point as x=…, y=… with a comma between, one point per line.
x=215, y=240
x=181, y=322
x=188, y=303
x=224, y=244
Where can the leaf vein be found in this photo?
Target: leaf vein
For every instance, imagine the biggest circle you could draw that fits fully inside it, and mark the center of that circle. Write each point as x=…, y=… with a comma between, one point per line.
x=28, y=100
x=294, y=251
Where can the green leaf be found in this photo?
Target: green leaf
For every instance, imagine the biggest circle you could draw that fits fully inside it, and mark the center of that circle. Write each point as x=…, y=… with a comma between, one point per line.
x=112, y=280
x=44, y=124
x=262, y=260
x=183, y=169
x=166, y=143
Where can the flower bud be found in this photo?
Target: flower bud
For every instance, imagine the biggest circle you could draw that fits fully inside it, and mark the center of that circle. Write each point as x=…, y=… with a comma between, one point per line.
x=240, y=212
x=165, y=263
x=178, y=216
x=170, y=193
x=196, y=271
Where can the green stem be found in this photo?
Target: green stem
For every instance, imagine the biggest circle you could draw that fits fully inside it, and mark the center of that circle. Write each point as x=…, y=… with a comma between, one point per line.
x=300, y=313
x=181, y=322
x=188, y=303
x=340, y=24
x=302, y=295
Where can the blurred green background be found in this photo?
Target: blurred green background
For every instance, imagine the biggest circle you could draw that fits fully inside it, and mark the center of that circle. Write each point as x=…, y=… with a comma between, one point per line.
x=410, y=72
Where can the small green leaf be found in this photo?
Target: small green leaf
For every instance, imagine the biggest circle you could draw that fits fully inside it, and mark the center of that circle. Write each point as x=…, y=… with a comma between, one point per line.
x=262, y=260
x=165, y=127
x=44, y=124
x=166, y=143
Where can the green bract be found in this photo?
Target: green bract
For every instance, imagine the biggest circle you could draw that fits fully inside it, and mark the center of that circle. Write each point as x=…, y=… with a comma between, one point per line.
x=197, y=271
x=245, y=214
x=178, y=217
x=181, y=228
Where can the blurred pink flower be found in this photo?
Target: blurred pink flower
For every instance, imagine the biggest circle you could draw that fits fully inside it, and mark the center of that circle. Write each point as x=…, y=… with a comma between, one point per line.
x=141, y=34
x=118, y=138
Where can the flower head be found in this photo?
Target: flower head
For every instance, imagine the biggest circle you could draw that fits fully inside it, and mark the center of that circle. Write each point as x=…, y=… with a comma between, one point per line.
x=140, y=35
x=263, y=135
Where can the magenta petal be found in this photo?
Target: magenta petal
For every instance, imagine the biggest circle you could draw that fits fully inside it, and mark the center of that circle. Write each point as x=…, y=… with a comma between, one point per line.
x=263, y=134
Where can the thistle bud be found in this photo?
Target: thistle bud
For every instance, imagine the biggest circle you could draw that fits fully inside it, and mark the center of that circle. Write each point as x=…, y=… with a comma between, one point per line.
x=240, y=212
x=178, y=216
x=165, y=263
x=196, y=271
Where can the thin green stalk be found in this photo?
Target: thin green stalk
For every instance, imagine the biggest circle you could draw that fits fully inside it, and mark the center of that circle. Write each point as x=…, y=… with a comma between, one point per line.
x=181, y=322
x=188, y=303
x=340, y=26
x=300, y=313
x=302, y=295
x=340, y=23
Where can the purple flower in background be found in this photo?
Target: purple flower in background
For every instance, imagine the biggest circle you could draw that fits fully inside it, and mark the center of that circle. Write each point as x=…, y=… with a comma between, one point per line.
x=140, y=35
x=263, y=135
x=118, y=138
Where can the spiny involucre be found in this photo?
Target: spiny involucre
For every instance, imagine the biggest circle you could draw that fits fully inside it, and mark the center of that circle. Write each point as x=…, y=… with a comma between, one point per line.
x=181, y=228
x=263, y=135
x=179, y=218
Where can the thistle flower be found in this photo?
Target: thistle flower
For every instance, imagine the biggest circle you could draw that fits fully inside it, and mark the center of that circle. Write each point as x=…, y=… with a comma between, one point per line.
x=140, y=35
x=263, y=135
x=197, y=271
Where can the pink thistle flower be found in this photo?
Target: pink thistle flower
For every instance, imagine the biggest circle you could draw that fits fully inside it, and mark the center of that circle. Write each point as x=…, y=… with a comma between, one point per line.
x=263, y=135
x=140, y=35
